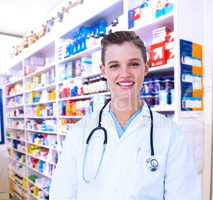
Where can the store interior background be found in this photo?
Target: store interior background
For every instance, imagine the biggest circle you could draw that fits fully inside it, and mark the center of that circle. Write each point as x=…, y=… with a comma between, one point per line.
x=28, y=17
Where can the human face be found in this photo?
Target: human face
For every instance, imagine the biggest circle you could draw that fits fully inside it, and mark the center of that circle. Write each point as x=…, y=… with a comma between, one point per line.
x=124, y=70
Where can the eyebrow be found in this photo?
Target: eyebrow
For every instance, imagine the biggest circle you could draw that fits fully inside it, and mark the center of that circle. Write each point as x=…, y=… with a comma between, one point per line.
x=112, y=62
x=115, y=61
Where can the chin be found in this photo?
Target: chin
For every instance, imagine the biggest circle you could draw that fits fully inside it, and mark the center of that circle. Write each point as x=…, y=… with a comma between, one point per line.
x=125, y=95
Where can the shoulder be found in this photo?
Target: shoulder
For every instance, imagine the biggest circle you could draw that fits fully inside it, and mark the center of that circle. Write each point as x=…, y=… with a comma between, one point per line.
x=167, y=131
x=161, y=121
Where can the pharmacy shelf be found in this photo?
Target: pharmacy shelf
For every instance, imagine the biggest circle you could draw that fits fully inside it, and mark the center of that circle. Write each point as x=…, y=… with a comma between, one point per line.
x=41, y=117
x=15, y=117
x=11, y=138
x=42, y=159
x=88, y=96
x=18, y=182
x=15, y=179
x=16, y=172
x=40, y=70
x=16, y=150
x=13, y=82
x=17, y=161
x=46, y=87
x=40, y=131
x=35, y=197
x=162, y=68
x=14, y=95
x=144, y=30
x=99, y=74
x=38, y=186
x=40, y=103
x=16, y=106
x=44, y=146
x=70, y=117
x=46, y=175
x=17, y=195
x=86, y=52
x=80, y=77
x=13, y=128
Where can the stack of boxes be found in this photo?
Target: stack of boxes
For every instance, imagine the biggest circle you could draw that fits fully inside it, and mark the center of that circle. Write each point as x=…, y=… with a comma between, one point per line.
x=161, y=50
x=146, y=11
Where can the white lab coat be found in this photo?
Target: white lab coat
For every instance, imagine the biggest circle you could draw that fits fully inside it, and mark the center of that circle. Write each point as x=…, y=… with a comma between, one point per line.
x=124, y=174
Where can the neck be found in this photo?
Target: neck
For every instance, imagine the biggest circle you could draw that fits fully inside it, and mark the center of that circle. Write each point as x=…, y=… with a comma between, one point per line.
x=124, y=109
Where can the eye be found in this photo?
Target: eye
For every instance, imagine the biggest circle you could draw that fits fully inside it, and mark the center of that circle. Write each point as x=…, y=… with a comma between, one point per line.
x=134, y=64
x=114, y=66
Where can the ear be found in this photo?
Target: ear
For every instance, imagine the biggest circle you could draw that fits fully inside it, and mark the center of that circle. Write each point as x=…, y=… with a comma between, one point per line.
x=146, y=71
x=102, y=68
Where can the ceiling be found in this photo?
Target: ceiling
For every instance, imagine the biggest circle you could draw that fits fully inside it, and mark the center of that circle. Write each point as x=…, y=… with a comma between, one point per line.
x=19, y=16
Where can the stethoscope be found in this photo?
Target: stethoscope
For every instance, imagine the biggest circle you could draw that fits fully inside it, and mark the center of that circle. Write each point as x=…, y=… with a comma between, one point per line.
x=152, y=162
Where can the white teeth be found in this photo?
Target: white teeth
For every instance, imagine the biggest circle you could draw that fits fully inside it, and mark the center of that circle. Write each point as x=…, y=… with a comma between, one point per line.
x=125, y=83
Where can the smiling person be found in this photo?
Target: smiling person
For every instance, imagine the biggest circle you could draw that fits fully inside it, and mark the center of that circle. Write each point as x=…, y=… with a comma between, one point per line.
x=125, y=151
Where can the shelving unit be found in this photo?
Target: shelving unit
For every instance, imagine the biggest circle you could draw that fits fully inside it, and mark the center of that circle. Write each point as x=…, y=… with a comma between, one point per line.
x=56, y=93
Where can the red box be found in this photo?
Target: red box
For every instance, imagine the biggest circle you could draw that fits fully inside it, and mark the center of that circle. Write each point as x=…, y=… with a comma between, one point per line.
x=158, y=54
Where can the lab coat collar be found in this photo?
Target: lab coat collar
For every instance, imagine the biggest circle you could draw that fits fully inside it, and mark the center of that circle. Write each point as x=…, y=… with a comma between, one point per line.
x=143, y=119
x=144, y=112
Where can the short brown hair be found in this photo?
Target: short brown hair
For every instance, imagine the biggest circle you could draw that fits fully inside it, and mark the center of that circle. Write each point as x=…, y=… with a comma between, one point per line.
x=120, y=37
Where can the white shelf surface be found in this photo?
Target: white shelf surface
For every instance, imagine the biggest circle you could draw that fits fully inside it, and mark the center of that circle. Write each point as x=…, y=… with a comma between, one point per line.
x=84, y=96
x=162, y=68
x=15, y=117
x=14, y=95
x=17, y=106
x=70, y=117
x=41, y=117
x=40, y=131
x=79, y=77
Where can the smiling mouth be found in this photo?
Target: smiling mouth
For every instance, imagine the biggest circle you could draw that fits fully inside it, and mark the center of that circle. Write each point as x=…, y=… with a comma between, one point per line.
x=125, y=84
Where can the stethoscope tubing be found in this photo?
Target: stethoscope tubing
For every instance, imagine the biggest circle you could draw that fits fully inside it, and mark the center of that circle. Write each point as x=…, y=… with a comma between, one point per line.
x=153, y=163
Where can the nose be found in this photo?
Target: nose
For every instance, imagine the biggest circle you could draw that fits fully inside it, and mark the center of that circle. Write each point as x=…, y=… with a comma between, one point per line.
x=124, y=72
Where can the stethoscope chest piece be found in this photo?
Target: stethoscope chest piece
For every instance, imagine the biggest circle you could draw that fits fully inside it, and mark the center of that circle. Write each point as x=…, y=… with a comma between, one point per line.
x=152, y=164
